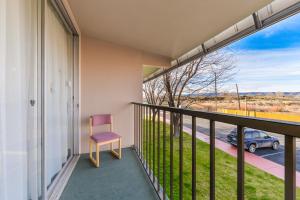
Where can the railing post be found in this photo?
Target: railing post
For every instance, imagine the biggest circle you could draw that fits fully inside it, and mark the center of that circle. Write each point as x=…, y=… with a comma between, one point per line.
x=142, y=133
x=164, y=155
x=212, y=159
x=158, y=149
x=290, y=168
x=141, y=130
x=134, y=124
x=194, y=161
x=150, y=137
x=240, y=163
x=138, y=122
x=137, y=129
x=181, y=158
x=171, y=156
x=153, y=147
x=146, y=139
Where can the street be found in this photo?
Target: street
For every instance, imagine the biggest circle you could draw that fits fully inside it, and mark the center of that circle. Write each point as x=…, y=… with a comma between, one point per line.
x=222, y=130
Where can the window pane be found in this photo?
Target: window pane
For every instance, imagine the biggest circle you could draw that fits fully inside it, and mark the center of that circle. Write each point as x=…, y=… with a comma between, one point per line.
x=59, y=93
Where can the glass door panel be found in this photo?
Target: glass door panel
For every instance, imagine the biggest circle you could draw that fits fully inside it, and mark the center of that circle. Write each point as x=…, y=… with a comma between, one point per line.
x=58, y=95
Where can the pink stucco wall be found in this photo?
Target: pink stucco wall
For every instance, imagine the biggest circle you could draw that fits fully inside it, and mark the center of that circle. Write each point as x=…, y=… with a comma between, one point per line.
x=111, y=78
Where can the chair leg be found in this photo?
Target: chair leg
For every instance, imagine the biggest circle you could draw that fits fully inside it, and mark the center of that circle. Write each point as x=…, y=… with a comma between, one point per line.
x=120, y=148
x=97, y=155
x=91, y=148
x=117, y=153
x=96, y=161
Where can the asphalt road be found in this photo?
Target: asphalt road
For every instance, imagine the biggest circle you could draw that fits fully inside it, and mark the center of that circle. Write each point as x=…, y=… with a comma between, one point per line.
x=222, y=130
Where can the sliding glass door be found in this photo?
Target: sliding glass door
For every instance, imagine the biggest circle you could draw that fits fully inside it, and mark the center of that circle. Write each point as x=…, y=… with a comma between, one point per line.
x=20, y=157
x=58, y=92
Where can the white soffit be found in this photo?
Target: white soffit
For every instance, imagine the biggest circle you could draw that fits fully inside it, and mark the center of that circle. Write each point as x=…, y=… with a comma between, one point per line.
x=169, y=28
x=247, y=25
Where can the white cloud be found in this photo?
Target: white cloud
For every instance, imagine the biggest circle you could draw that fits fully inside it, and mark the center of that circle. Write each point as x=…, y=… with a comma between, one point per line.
x=268, y=70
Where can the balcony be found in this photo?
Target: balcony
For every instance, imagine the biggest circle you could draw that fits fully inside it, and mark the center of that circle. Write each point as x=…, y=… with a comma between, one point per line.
x=63, y=61
x=114, y=179
x=161, y=166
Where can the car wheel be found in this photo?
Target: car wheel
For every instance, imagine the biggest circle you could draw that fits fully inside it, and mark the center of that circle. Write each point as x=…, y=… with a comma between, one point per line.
x=275, y=145
x=252, y=148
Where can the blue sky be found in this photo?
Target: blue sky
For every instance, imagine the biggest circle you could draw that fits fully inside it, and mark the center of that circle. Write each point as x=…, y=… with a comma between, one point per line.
x=269, y=60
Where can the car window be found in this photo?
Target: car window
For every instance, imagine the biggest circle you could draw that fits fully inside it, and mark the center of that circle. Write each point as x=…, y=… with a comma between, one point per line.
x=248, y=135
x=262, y=134
x=256, y=134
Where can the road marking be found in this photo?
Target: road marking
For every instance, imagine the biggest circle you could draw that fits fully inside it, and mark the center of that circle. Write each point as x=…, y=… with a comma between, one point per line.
x=271, y=154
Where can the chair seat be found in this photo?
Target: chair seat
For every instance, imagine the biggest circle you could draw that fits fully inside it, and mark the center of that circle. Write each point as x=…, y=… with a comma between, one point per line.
x=104, y=137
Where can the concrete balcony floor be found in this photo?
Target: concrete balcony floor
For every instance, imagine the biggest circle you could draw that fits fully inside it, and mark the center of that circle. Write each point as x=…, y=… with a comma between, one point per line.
x=114, y=179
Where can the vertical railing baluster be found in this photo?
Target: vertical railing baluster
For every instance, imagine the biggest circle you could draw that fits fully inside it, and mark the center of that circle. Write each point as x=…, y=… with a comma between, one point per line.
x=138, y=130
x=181, y=158
x=212, y=159
x=158, y=149
x=171, y=156
x=194, y=161
x=290, y=168
x=150, y=138
x=164, y=155
x=240, y=162
x=153, y=147
x=147, y=141
x=134, y=126
x=145, y=134
x=139, y=135
x=142, y=136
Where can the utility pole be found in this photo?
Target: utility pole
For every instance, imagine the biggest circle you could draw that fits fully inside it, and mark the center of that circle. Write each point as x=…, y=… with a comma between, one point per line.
x=246, y=105
x=238, y=95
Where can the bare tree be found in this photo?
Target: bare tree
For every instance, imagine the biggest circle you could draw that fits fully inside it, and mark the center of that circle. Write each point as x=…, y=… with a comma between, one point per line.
x=186, y=82
x=154, y=92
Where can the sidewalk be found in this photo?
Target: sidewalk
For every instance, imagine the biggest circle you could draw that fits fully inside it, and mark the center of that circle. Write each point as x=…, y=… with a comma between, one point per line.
x=252, y=159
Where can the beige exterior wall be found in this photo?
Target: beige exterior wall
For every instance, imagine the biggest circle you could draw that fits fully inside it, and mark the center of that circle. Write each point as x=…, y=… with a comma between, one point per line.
x=111, y=78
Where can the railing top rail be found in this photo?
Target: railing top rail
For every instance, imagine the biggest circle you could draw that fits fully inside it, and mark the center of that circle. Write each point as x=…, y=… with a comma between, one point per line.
x=275, y=126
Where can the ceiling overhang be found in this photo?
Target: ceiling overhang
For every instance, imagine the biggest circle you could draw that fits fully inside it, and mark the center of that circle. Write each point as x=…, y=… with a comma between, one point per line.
x=174, y=29
x=169, y=28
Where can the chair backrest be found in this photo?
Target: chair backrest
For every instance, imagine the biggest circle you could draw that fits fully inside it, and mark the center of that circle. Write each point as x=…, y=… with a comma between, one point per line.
x=103, y=119
x=98, y=120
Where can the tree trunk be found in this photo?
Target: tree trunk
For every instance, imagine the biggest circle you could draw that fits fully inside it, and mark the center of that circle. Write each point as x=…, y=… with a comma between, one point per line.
x=154, y=112
x=176, y=124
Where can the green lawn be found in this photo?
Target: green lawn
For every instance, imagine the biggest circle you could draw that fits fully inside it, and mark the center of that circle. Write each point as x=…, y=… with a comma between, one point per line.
x=258, y=184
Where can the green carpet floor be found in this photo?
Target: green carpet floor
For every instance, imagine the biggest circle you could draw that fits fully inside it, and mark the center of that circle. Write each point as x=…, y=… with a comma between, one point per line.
x=114, y=179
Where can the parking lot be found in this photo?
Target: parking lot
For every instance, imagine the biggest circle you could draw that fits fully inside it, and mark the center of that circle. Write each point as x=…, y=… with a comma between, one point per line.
x=222, y=130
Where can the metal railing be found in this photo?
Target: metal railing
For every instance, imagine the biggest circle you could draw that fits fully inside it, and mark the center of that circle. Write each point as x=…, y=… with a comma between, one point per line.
x=146, y=133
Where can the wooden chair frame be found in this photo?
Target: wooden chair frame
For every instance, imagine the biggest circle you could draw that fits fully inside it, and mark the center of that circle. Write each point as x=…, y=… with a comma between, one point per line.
x=96, y=161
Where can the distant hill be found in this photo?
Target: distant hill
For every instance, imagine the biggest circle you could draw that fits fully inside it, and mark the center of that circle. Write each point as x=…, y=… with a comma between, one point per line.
x=254, y=94
x=269, y=93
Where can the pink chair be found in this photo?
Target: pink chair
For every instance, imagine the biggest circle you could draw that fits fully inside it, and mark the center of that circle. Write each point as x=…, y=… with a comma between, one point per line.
x=102, y=138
